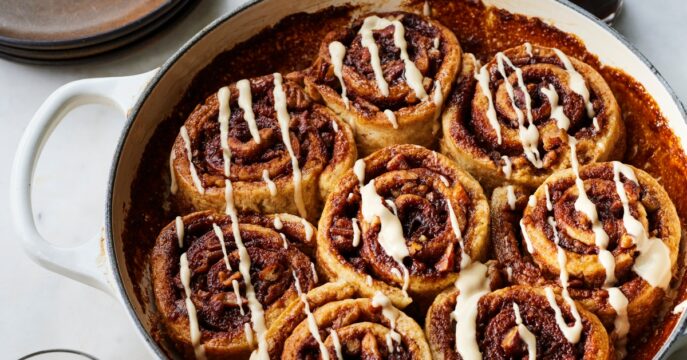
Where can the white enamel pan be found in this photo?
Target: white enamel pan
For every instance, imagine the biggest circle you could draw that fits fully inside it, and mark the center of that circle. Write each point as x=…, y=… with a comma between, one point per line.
x=148, y=98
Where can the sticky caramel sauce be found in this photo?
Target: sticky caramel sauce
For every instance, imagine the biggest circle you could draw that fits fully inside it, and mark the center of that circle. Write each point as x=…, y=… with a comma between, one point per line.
x=292, y=45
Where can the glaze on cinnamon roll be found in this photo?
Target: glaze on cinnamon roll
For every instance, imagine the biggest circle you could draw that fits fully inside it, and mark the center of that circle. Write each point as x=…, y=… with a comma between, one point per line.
x=516, y=130
x=517, y=322
x=336, y=321
x=281, y=151
x=607, y=234
x=399, y=222
x=219, y=287
x=387, y=75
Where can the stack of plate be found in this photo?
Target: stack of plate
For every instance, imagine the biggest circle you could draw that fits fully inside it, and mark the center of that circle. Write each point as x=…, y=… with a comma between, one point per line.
x=55, y=30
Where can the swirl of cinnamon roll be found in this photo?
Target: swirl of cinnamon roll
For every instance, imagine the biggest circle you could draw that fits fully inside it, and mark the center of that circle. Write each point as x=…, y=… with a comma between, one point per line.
x=218, y=286
x=607, y=234
x=399, y=223
x=280, y=151
x=510, y=120
x=387, y=75
x=336, y=321
x=516, y=322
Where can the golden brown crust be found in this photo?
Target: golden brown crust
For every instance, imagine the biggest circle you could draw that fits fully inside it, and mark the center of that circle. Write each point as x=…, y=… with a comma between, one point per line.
x=497, y=335
x=416, y=117
x=470, y=137
x=419, y=183
x=648, y=203
x=360, y=325
x=323, y=145
x=221, y=322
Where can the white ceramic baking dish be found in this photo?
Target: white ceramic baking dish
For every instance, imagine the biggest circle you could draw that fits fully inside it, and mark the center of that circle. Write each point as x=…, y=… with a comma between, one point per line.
x=147, y=98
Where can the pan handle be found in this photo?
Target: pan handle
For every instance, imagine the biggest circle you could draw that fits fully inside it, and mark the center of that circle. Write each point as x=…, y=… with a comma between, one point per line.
x=86, y=262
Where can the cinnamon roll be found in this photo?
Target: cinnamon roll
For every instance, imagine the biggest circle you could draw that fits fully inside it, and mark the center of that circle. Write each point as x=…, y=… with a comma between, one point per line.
x=336, y=321
x=510, y=120
x=387, y=75
x=517, y=322
x=399, y=222
x=281, y=151
x=607, y=234
x=218, y=286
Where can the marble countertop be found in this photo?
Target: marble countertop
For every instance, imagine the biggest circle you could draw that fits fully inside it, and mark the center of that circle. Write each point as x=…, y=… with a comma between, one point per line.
x=42, y=310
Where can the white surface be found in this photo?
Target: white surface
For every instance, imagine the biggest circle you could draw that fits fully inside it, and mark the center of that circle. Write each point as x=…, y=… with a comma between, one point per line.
x=42, y=310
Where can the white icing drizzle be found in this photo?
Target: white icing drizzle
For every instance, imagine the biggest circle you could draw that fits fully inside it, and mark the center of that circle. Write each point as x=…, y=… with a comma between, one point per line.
x=435, y=43
x=511, y=196
x=392, y=118
x=235, y=285
x=526, y=237
x=220, y=237
x=224, y=112
x=367, y=40
x=571, y=333
x=576, y=81
x=246, y=104
x=257, y=313
x=525, y=334
x=549, y=205
x=335, y=126
x=528, y=49
x=621, y=324
x=368, y=280
x=444, y=180
x=680, y=308
x=283, y=118
x=391, y=314
x=532, y=200
x=189, y=156
x=595, y=122
x=314, y=273
x=653, y=262
x=312, y=324
x=248, y=332
x=438, y=99
x=472, y=284
x=337, y=52
x=509, y=272
x=284, y=240
x=507, y=167
x=412, y=74
x=185, y=275
x=392, y=206
x=337, y=343
x=529, y=135
x=270, y=184
x=172, y=177
x=349, y=197
x=277, y=222
x=587, y=207
x=356, y=232
x=426, y=9
x=179, y=227
x=359, y=171
x=391, y=231
x=308, y=229
x=557, y=113
x=483, y=82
